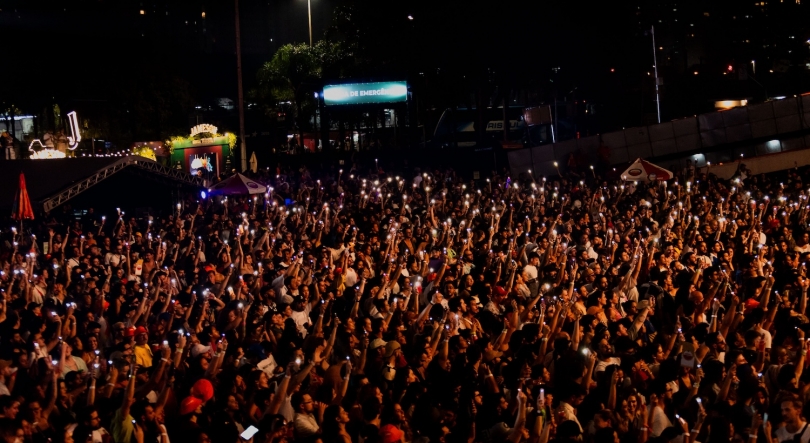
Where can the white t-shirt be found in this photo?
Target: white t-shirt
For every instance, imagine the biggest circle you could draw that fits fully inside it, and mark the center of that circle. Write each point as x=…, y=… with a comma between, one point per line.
x=783, y=435
x=601, y=365
x=98, y=435
x=301, y=318
x=660, y=421
x=114, y=259
x=766, y=336
x=281, y=290
x=351, y=277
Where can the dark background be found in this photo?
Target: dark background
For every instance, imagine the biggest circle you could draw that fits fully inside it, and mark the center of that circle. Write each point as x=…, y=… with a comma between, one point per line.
x=147, y=76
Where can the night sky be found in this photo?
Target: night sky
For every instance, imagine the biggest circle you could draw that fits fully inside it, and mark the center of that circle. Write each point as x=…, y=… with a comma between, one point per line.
x=105, y=51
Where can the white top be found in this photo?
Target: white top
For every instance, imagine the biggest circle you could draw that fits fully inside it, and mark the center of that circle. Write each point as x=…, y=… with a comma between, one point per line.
x=351, y=277
x=660, y=421
x=305, y=425
x=602, y=365
x=531, y=271
x=301, y=318
x=783, y=435
x=766, y=336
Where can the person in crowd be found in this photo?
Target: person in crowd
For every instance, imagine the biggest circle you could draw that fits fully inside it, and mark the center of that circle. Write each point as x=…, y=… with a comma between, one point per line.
x=416, y=306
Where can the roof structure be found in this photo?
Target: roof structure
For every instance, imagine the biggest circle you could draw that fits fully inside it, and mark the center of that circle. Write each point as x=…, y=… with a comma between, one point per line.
x=55, y=181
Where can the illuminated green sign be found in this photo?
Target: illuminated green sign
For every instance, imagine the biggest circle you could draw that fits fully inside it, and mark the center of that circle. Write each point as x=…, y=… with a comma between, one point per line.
x=364, y=93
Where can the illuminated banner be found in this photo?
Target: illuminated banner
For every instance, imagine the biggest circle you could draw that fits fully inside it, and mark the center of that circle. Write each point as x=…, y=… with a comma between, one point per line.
x=365, y=93
x=199, y=129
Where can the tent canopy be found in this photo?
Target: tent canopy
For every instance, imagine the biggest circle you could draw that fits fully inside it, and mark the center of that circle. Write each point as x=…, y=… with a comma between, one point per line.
x=237, y=185
x=642, y=170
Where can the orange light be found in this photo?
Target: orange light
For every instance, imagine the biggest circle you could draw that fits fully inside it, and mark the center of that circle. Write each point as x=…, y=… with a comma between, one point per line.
x=730, y=68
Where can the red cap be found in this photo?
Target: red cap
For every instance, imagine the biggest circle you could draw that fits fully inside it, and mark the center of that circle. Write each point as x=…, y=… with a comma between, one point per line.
x=190, y=404
x=432, y=276
x=390, y=434
x=141, y=330
x=203, y=389
x=130, y=332
x=500, y=291
x=751, y=304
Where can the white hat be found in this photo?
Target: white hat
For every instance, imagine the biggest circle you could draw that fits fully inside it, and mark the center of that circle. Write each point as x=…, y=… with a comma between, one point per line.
x=199, y=349
x=376, y=343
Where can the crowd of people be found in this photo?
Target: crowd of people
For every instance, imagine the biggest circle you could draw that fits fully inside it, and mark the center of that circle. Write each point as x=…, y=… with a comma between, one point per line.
x=365, y=306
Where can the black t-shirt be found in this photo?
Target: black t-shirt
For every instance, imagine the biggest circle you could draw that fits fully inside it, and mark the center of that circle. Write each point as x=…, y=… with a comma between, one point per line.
x=369, y=433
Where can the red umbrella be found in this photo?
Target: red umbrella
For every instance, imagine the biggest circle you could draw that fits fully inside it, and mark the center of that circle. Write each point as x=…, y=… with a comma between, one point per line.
x=22, y=204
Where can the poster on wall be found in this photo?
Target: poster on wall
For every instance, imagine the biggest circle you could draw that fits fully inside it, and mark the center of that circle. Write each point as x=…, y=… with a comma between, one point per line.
x=203, y=164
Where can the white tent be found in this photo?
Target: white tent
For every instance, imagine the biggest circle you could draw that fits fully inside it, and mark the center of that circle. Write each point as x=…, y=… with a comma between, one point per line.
x=642, y=170
x=237, y=185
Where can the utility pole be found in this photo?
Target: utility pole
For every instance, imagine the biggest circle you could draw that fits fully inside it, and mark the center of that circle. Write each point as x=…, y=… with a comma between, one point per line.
x=242, y=147
x=655, y=68
x=309, y=17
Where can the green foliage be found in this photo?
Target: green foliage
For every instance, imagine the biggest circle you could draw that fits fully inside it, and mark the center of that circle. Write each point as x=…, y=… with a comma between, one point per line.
x=145, y=151
x=202, y=135
x=179, y=139
x=292, y=75
x=292, y=67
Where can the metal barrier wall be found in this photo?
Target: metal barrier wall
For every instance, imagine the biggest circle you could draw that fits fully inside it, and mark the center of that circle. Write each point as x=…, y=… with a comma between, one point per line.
x=698, y=138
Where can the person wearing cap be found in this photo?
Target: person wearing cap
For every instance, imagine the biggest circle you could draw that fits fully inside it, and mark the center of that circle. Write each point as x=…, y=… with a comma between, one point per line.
x=393, y=352
x=496, y=303
x=142, y=350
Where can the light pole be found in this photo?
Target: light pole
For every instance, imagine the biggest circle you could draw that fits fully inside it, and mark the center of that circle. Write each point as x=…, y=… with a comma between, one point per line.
x=655, y=67
x=242, y=147
x=309, y=18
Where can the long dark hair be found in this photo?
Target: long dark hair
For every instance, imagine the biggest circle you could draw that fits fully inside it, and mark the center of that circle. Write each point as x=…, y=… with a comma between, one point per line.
x=331, y=426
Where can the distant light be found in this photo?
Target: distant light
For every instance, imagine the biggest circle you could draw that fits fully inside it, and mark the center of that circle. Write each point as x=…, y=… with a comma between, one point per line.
x=316, y=95
x=143, y=12
x=612, y=70
x=203, y=14
x=728, y=104
x=696, y=73
x=203, y=194
x=410, y=17
x=730, y=68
